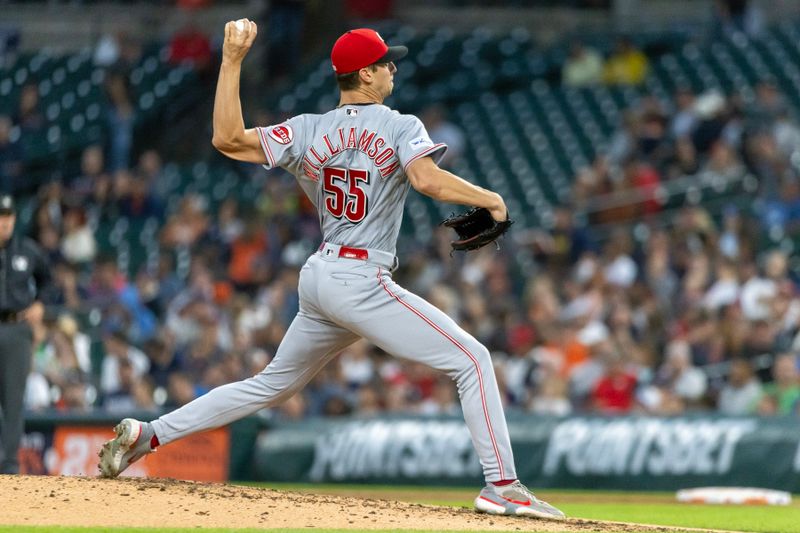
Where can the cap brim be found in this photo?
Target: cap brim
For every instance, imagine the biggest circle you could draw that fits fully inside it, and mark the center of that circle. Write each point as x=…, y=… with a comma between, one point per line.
x=393, y=54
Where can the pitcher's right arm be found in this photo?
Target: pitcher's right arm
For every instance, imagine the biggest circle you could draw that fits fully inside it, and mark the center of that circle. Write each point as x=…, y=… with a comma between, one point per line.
x=230, y=136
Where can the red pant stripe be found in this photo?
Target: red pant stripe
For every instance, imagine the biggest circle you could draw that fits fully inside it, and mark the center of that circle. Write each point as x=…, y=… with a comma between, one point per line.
x=468, y=353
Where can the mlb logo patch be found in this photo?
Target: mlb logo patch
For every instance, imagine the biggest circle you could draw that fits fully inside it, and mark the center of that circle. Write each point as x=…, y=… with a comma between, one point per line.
x=420, y=142
x=351, y=112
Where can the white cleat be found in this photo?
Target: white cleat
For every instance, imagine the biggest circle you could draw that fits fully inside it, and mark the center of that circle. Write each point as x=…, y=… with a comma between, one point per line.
x=515, y=499
x=131, y=444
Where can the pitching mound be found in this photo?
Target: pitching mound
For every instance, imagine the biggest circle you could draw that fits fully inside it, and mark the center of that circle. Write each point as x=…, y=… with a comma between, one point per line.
x=71, y=501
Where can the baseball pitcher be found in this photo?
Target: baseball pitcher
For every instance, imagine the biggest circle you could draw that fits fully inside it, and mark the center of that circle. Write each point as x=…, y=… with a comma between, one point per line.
x=356, y=163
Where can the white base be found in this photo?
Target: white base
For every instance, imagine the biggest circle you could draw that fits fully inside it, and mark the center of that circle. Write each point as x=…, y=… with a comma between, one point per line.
x=734, y=496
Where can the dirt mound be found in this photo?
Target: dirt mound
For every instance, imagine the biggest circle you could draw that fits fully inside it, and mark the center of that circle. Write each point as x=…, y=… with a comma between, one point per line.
x=72, y=501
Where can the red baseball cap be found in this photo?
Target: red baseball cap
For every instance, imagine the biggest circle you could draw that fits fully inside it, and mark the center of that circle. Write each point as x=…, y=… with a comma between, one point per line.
x=360, y=48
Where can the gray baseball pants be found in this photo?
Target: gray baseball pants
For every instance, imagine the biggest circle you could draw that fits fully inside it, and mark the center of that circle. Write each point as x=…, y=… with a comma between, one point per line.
x=341, y=300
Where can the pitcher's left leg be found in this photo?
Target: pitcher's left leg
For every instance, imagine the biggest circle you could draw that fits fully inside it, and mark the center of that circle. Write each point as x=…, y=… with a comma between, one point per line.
x=407, y=326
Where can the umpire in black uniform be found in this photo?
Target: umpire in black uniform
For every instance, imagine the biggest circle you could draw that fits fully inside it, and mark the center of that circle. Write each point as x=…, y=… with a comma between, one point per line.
x=24, y=276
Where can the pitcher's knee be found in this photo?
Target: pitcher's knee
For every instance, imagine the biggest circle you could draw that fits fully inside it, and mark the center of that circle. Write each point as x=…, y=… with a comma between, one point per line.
x=269, y=393
x=474, y=358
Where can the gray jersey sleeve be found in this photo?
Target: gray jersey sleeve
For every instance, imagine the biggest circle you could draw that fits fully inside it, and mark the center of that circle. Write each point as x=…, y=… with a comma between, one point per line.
x=413, y=142
x=282, y=143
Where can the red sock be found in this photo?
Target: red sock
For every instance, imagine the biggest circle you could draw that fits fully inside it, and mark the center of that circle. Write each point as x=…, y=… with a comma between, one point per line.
x=502, y=482
x=154, y=442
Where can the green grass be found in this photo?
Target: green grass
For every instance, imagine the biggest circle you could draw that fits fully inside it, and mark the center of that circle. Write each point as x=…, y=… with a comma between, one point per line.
x=658, y=508
x=732, y=518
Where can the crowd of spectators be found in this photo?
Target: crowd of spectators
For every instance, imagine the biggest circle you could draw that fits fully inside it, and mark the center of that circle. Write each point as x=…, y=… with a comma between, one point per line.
x=700, y=311
x=625, y=65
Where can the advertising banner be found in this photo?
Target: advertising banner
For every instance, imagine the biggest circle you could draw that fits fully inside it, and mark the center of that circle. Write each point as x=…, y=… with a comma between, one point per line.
x=577, y=452
x=70, y=448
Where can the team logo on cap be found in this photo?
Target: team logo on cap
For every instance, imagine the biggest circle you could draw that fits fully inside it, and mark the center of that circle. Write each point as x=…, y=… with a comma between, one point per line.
x=19, y=263
x=282, y=134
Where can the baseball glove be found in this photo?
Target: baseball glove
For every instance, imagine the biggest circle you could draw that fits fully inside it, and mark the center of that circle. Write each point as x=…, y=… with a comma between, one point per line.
x=475, y=228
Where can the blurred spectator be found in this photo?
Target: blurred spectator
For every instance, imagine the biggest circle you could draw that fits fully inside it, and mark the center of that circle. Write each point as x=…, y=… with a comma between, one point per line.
x=9, y=42
x=119, y=352
x=229, y=226
x=551, y=399
x=76, y=397
x=107, y=50
x=678, y=377
x=711, y=110
x=29, y=117
x=139, y=203
x=757, y=292
x=248, y=265
x=615, y=392
x=119, y=52
x=737, y=16
x=163, y=358
x=787, y=133
x=120, y=301
x=621, y=270
x=132, y=392
x=150, y=170
x=93, y=172
x=443, y=399
x=684, y=119
x=444, y=131
x=62, y=356
x=741, y=394
x=357, y=367
x=187, y=225
x=368, y=402
x=725, y=290
x=723, y=161
x=769, y=106
x=191, y=44
x=622, y=144
x=564, y=244
x=11, y=158
x=583, y=66
x=78, y=245
x=781, y=397
x=37, y=392
x=180, y=390
x=120, y=117
x=292, y=409
x=626, y=65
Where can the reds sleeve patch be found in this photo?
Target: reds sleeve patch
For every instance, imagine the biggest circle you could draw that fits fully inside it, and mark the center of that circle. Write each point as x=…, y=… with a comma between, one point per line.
x=282, y=134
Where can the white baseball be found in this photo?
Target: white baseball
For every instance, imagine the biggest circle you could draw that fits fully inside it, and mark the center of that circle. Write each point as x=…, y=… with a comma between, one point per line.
x=240, y=25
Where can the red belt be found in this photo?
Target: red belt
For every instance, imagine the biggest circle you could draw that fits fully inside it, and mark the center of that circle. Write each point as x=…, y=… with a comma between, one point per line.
x=350, y=253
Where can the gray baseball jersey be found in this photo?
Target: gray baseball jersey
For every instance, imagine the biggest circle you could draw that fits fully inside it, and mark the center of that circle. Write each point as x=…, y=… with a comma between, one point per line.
x=351, y=162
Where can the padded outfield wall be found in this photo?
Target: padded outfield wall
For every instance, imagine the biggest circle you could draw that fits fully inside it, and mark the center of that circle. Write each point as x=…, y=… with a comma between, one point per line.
x=642, y=453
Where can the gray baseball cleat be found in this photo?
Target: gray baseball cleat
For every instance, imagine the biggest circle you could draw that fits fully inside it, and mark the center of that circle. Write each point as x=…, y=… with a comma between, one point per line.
x=514, y=499
x=131, y=444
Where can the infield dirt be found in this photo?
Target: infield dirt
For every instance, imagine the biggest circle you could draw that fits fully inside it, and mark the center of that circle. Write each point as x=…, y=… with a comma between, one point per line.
x=74, y=501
